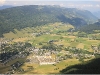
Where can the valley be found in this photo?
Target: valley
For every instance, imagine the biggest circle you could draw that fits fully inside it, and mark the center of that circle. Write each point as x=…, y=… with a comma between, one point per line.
x=46, y=49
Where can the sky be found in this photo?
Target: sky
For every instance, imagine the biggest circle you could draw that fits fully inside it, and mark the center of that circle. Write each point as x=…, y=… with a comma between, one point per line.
x=92, y=5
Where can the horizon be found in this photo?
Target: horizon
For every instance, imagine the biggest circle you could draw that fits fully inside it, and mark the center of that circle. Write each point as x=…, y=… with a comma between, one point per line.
x=91, y=5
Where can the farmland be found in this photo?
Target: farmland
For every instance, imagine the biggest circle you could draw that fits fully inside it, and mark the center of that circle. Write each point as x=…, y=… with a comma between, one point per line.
x=66, y=47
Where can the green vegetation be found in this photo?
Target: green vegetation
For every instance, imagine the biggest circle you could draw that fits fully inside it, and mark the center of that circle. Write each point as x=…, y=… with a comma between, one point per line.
x=49, y=69
x=92, y=28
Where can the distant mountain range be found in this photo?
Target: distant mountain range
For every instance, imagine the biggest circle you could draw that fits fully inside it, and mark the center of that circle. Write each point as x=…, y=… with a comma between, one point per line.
x=5, y=6
x=97, y=14
x=35, y=15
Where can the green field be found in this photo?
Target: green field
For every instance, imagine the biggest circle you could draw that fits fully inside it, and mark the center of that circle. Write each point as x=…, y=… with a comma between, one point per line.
x=6, y=68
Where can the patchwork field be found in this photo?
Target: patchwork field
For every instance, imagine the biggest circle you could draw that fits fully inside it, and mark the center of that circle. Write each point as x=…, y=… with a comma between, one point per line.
x=40, y=36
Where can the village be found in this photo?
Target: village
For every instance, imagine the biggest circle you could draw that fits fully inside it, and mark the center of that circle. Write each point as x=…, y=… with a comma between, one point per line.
x=42, y=56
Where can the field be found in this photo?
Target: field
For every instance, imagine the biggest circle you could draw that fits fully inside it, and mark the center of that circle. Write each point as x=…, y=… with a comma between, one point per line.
x=40, y=36
x=49, y=69
x=5, y=68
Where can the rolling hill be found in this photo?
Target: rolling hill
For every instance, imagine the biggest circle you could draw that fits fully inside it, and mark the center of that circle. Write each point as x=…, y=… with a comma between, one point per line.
x=33, y=15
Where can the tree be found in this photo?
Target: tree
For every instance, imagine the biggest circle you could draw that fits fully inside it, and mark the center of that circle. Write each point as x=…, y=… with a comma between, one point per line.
x=28, y=44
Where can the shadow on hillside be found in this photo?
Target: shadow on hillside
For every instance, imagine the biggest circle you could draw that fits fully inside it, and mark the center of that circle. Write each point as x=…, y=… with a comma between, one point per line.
x=90, y=67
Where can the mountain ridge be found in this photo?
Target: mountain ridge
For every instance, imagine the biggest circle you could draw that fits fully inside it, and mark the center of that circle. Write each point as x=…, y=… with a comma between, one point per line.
x=97, y=14
x=34, y=15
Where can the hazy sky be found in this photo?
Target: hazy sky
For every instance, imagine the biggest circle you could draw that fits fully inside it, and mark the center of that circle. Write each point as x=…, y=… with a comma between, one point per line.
x=92, y=5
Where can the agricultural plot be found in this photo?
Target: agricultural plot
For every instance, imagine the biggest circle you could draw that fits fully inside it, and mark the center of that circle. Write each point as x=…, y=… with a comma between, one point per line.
x=49, y=69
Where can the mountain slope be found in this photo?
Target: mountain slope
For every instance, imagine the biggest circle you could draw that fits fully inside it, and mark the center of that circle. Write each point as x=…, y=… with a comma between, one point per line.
x=33, y=15
x=90, y=28
x=97, y=14
x=84, y=14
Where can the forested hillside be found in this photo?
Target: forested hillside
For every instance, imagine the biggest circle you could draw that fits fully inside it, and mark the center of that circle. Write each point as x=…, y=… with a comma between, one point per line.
x=33, y=15
x=92, y=28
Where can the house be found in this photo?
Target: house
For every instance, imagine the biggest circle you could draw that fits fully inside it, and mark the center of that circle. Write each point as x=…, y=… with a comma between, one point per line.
x=96, y=49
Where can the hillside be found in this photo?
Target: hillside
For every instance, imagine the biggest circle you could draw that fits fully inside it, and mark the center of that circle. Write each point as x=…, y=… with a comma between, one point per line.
x=33, y=15
x=91, y=28
x=89, y=67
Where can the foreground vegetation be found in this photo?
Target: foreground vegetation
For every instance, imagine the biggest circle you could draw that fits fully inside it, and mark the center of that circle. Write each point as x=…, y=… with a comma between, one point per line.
x=90, y=67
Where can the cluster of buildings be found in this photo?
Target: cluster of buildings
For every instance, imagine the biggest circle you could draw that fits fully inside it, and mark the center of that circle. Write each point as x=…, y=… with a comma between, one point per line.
x=45, y=60
x=41, y=60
